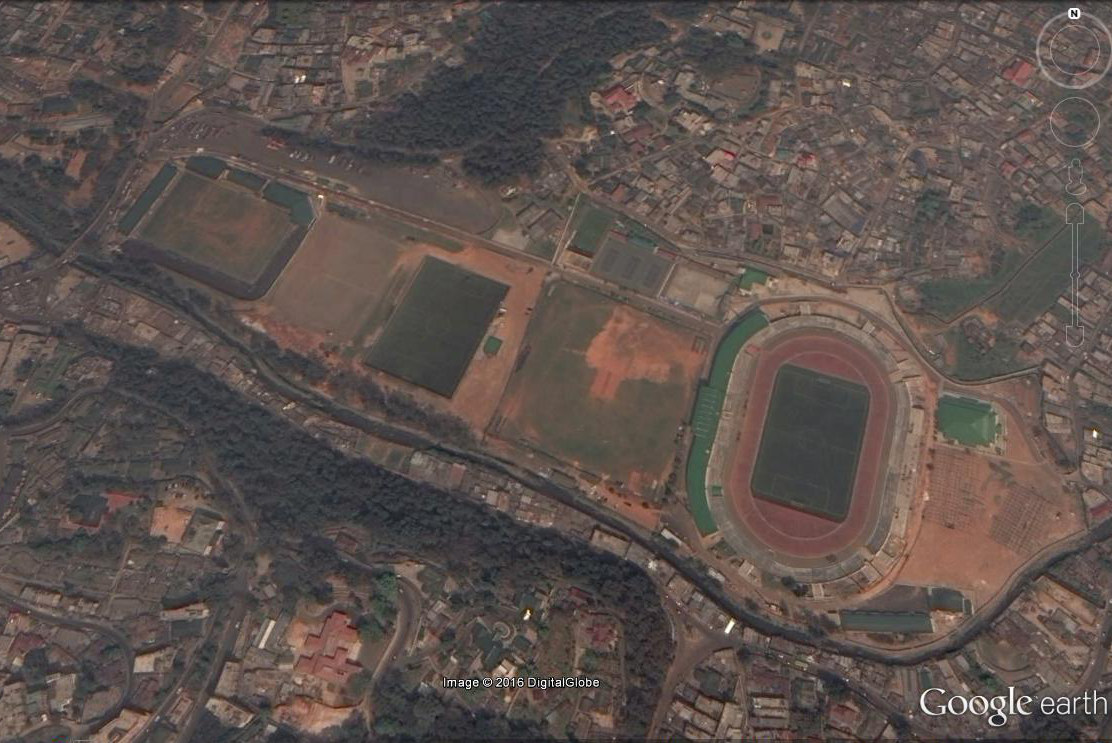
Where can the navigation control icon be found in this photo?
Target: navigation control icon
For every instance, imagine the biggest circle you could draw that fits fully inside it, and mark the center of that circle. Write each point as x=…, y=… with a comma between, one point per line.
x=1075, y=186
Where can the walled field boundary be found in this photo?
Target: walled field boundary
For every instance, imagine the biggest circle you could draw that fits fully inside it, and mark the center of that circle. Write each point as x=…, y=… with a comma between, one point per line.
x=296, y=202
x=968, y=421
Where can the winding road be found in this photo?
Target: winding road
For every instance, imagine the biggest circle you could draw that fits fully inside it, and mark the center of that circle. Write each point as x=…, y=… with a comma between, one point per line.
x=89, y=626
x=406, y=623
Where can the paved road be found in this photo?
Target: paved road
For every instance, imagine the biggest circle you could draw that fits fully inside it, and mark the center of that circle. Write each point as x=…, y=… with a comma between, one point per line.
x=408, y=619
x=690, y=652
x=1099, y=660
x=366, y=204
x=430, y=196
x=764, y=624
x=709, y=640
x=233, y=622
x=405, y=629
x=165, y=139
x=165, y=93
x=38, y=424
x=904, y=332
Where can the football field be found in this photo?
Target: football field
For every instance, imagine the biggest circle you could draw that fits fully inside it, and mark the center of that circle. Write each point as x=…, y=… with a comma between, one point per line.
x=431, y=337
x=811, y=442
x=219, y=226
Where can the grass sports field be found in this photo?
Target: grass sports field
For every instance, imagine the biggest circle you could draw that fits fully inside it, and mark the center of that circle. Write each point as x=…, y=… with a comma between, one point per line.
x=966, y=421
x=602, y=385
x=219, y=226
x=432, y=335
x=811, y=442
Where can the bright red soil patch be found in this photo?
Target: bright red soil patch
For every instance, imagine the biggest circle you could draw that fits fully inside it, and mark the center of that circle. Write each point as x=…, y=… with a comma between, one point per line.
x=628, y=347
x=785, y=529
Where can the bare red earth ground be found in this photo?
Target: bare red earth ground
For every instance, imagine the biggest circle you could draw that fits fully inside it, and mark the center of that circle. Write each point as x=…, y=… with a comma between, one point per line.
x=784, y=529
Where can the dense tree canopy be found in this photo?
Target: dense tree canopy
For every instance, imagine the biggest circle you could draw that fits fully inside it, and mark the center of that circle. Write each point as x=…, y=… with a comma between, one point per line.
x=523, y=65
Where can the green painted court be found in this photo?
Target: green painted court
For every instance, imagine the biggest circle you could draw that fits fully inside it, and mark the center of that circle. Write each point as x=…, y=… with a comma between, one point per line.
x=811, y=442
x=967, y=421
x=752, y=277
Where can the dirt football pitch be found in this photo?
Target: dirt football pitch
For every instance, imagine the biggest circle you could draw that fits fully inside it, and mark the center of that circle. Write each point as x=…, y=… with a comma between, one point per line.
x=223, y=227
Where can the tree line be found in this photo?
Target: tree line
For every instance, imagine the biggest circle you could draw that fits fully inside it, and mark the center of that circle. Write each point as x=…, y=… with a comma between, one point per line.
x=33, y=191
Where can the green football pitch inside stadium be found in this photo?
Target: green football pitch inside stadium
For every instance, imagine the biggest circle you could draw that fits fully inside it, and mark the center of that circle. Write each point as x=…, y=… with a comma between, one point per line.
x=811, y=442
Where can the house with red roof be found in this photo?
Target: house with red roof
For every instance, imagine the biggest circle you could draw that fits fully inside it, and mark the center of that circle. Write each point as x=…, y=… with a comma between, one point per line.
x=1019, y=72
x=329, y=655
x=618, y=100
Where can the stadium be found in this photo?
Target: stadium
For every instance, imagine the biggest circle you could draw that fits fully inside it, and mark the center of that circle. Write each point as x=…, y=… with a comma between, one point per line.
x=806, y=447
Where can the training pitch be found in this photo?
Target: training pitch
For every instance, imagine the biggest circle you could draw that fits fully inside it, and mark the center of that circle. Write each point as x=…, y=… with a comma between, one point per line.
x=432, y=336
x=220, y=226
x=811, y=442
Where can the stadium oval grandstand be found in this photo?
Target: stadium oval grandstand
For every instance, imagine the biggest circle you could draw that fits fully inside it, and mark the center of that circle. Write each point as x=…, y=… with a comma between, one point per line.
x=803, y=451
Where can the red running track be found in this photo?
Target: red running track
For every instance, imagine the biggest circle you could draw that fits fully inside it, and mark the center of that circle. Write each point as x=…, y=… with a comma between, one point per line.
x=784, y=529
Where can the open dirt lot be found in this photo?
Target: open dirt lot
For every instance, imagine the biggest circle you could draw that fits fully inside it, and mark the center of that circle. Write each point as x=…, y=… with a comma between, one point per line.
x=432, y=193
x=699, y=290
x=478, y=393
x=225, y=51
x=219, y=226
x=1019, y=401
x=635, y=509
x=170, y=522
x=338, y=279
x=13, y=246
x=984, y=517
x=603, y=386
x=310, y=715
